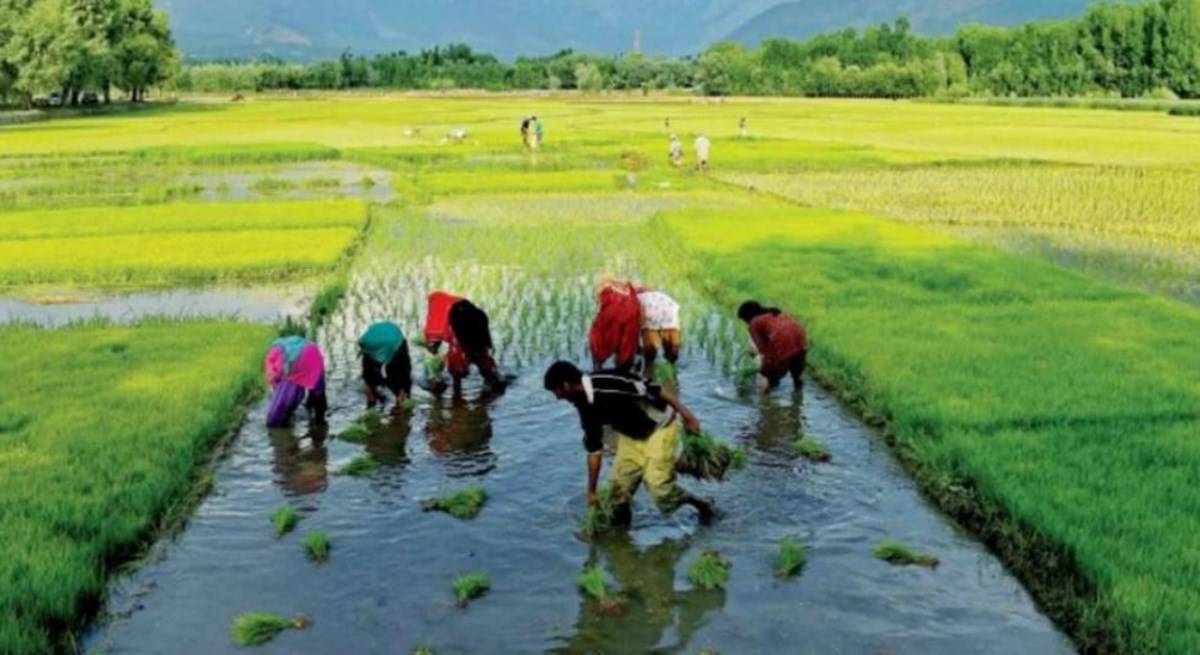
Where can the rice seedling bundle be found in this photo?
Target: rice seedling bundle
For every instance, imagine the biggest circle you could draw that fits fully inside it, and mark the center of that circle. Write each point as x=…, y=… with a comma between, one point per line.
x=284, y=520
x=316, y=545
x=791, y=558
x=592, y=583
x=704, y=457
x=900, y=554
x=257, y=628
x=470, y=586
x=709, y=571
x=466, y=503
x=435, y=365
x=666, y=373
x=361, y=466
x=598, y=518
x=811, y=449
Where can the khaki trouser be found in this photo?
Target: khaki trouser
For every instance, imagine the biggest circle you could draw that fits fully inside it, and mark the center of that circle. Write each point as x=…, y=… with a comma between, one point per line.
x=650, y=460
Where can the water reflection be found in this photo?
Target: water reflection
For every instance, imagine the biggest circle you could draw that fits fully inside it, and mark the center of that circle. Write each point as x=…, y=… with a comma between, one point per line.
x=301, y=462
x=388, y=442
x=653, y=610
x=778, y=423
x=459, y=433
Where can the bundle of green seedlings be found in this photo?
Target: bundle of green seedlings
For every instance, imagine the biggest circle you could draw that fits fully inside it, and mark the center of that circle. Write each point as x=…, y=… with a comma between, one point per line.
x=747, y=370
x=257, y=628
x=360, y=467
x=666, y=373
x=598, y=518
x=284, y=520
x=466, y=503
x=361, y=428
x=435, y=365
x=811, y=449
x=470, y=586
x=709, y=571
x=592, y=583
x=791, y=559
x=706, y=458
x=316, y=544
x=894, y=552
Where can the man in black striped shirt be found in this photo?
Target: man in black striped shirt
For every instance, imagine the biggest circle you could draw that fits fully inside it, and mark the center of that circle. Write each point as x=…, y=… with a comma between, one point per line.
x=647, y=420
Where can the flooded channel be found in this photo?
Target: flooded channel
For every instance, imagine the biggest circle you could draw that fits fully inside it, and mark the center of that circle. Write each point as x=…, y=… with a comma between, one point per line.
x=386, y=588
x=261, y=305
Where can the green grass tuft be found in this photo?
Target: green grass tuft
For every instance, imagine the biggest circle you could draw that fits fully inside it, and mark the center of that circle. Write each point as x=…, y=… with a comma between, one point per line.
x=316, y=544
x=284, y=520
x=709, y=571
x=361, y=466
x=899, y=554
x=356, y=432
x=470, y=586
x=811, y=449
x=257, y=628
x=791, y=559
x=466, y=503
x=592, y=582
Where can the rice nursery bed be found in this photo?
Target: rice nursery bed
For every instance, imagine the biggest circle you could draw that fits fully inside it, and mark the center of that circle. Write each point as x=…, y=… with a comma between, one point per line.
x=1017, y=391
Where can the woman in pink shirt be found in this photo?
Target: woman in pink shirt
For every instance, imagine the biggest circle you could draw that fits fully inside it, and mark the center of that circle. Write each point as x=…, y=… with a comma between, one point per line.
x=779, y=339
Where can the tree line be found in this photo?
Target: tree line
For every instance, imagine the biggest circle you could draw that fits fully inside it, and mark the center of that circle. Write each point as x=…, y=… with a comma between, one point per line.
x=75, y=48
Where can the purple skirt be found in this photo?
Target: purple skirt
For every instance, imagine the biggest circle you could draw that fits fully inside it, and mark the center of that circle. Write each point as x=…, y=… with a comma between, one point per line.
x=285, y=399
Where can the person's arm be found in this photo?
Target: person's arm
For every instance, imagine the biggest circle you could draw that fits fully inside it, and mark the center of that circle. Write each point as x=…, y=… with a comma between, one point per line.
x=690, y=422
x=593, y=474
x=593, y=443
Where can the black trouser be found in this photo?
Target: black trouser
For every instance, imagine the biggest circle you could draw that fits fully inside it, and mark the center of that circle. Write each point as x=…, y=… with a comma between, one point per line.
x=396, y=376
x=795, y=367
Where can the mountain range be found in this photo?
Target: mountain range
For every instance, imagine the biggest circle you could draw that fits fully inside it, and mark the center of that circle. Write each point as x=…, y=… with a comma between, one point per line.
x=303, y=30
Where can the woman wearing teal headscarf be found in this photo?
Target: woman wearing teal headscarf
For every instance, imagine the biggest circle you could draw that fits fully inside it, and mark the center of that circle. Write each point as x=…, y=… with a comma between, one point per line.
x=385, y=362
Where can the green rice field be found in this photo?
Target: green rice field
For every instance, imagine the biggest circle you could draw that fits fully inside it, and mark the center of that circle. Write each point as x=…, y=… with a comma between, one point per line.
x=1008, y=294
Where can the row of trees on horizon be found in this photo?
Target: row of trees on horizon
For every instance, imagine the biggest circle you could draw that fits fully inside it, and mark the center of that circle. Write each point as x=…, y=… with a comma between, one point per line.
x=71, y=47
x=1126, y=50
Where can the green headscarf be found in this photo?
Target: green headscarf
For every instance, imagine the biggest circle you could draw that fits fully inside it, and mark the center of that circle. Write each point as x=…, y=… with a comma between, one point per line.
x=381, y=342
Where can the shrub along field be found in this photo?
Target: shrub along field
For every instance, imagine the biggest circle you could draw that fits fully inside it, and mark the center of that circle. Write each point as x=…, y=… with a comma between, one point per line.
x=101, y=433
x=1050, y=410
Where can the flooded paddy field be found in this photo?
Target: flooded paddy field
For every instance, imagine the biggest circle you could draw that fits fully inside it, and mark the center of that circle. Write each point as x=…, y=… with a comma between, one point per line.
x=386, y=587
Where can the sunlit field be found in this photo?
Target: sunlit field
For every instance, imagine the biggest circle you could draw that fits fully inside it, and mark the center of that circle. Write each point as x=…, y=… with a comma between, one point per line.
x=1008, y=293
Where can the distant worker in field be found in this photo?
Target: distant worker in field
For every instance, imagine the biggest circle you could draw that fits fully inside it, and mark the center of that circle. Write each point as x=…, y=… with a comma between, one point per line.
x=539, y=133
x=295, y=369
x=465, y=328
x=385, y=363
x=646, y=419
x=676, y=152
x=742, y=131
x=780, y=340
x=525, y=131
x=661, y=329
x=615, y=330
x=702, y=150
x=667, y=123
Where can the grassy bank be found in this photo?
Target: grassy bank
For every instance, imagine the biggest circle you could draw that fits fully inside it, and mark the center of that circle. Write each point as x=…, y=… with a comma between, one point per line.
x=1053, y=414
x=102, y=431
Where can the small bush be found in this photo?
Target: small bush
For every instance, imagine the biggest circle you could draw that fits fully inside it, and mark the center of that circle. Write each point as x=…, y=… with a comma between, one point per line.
x=284, y=520
x=709, y=571
x=257, y=628
x=899, y=554
x=791, y=559
x=316, y=544
x=361, y=466
x=470, y=586
x=466, y=503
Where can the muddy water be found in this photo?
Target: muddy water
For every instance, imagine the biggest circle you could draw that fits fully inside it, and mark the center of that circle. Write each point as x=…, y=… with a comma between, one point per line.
x=386, y=588
x=264, y=305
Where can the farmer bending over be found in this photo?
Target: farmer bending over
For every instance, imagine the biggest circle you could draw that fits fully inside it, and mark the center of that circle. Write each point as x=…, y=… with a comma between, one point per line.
x=385, y=363
x=676, y=152
x=617, y=325
x=660, y=327
x=779, y=339
x=458, y=322
x=647, y=420
x=295, y=369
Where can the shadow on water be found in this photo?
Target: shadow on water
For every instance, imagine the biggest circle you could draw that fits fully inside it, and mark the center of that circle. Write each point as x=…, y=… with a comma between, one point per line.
x=301, y=462
x=652, y=609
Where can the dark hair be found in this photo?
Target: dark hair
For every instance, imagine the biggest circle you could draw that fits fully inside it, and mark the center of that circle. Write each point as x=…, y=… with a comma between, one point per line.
x=561, y=373
x=751, y=309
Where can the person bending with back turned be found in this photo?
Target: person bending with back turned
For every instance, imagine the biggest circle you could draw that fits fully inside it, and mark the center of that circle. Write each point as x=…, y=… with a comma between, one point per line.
x=647, y=420
x=779, y=339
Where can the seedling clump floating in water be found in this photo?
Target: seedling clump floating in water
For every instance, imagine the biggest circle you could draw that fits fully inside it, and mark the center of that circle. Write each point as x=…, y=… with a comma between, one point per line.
x=356, y=432
x=316, y=544
x=284, y=520
x=811, y=449
x=791, y=559
x=706, y=458
x=470, y=586
x=899, y=554
x=709, y=571
x=465, y=503
x=592, y=582
x=599, y=517
x=257, y=628
x=360, y=467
